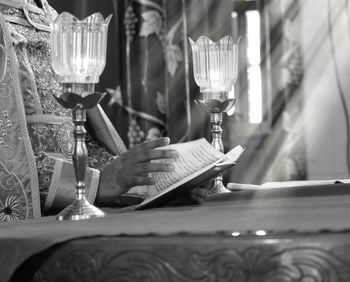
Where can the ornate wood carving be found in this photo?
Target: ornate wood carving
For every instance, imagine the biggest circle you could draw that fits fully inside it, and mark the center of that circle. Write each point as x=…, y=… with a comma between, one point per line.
x=197, y=259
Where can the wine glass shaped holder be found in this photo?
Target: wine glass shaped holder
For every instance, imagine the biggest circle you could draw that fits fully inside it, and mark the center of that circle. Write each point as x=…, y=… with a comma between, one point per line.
x=78, y=50
x=215, y=72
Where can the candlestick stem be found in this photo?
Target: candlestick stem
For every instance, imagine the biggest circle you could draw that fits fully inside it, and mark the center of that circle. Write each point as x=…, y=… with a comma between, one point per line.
x=80, y=208
x=216, y=119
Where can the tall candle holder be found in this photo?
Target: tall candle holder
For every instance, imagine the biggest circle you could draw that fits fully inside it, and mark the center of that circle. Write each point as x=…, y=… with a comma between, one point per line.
x=78, y=49
x=215, y=72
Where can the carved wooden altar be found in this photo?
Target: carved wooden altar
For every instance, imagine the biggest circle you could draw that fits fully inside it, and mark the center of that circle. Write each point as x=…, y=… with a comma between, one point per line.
x=183, y=257
x=270, y=236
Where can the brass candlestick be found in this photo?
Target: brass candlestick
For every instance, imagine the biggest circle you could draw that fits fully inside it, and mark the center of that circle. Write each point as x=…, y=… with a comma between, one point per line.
x=215, y=72
x=78, y=51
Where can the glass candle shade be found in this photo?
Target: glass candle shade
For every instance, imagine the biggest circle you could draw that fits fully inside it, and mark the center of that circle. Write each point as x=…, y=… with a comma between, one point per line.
x=214, y=63
x=78, y=47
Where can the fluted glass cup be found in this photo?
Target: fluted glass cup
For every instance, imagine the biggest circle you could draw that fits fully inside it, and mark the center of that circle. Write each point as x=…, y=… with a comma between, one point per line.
x=214, y=63
x=79, y=47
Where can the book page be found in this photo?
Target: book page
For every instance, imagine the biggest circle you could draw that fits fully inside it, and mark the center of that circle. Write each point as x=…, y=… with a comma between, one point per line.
x=281, y=184
x=234, y=154
x=193, y=156
x=285, y=184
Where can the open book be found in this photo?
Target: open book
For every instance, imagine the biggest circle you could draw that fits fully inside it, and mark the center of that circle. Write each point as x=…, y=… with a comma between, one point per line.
x=197, y=162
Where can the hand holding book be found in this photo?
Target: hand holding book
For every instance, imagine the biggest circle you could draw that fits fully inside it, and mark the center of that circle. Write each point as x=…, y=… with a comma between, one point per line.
x=131, y=169
x=197, y=162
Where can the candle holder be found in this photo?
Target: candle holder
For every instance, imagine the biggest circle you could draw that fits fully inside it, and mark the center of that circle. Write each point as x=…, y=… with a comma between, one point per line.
x=215, y=72
x=78, y=50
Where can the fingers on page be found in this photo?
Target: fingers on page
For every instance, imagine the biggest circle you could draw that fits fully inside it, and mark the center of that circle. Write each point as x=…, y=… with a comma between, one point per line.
x=155, y=155
x=152, y=144
x=153, y=167
x=140, y=181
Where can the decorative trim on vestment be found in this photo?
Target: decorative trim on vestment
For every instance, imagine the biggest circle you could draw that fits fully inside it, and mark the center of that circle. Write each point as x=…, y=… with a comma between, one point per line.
x=24, y=135
x=103, y=126
x=25, y=14
x=55, y=180
x=38, y=107
x=95, y=179
x=41, y=26
x=47, y=119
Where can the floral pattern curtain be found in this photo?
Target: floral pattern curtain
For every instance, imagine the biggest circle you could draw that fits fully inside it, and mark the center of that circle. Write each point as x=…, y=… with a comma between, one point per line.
x=154, y=90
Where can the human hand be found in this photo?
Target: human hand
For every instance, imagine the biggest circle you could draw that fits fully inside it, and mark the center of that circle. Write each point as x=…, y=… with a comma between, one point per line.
x=197, y=195
x=132, y=169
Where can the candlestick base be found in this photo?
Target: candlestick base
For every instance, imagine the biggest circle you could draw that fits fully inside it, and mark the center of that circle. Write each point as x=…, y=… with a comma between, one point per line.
x=217, y=187
x=80, y=209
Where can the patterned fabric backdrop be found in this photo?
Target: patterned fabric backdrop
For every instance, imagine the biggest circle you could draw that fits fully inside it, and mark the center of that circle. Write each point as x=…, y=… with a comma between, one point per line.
x=155, y=90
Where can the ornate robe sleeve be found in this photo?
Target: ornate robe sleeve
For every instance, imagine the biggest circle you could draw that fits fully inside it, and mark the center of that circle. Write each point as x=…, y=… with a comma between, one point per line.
x=57, y=183
x=19, y=196
x=52, y=145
